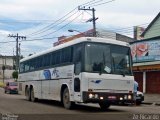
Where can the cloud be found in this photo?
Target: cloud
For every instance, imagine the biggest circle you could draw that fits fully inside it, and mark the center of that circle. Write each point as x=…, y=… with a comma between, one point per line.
x=3, y=32
x=26, y=17
x=123, y=19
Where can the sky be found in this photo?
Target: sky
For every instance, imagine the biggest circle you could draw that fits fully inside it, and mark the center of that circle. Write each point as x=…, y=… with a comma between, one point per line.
x=40, y=19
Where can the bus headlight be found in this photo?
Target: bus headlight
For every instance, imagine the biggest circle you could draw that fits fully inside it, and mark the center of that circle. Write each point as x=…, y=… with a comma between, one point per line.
x=121, y=98
x=101, y=98
x=125, y=97
x=129, y=97
x=96, y=96
x=91, y=95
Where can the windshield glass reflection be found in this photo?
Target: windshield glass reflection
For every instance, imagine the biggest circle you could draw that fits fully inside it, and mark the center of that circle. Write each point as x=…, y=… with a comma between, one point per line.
x=110, y=59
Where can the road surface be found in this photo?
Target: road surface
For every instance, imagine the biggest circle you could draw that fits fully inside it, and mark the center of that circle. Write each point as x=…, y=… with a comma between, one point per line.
x=17, y=106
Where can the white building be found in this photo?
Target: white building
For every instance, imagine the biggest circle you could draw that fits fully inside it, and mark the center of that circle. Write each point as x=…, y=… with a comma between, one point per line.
x=8, y=62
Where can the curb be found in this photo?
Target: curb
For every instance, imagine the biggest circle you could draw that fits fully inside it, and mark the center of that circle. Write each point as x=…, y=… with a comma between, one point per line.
x=158, y=104
x=151, y=103
x=147, y=103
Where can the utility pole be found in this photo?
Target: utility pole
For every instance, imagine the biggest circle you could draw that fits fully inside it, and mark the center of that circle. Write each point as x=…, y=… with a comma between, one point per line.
x=17, y=48
x=93, y=18
x=3, y=68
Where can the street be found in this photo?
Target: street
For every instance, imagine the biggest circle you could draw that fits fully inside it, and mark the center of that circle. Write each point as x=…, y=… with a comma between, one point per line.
x=43, y=109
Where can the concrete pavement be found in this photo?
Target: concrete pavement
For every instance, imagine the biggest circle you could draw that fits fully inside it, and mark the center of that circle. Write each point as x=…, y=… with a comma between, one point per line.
x=152, y=99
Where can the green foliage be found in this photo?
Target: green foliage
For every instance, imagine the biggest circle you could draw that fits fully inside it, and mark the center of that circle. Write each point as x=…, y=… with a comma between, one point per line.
x=15, y=75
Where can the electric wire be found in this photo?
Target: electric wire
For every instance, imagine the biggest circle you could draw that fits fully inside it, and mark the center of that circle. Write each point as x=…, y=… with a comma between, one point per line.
x=58, y=23
x=87, y=3
x=60, y=27
x=48, y=26
x=94, y=3
x=102, y=3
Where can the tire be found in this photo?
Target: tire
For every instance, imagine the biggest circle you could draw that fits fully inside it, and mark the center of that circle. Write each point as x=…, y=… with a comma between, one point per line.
x=66, y=99
x=104, y=105
x=138, y=102
x=28, y=95
x=33, y=99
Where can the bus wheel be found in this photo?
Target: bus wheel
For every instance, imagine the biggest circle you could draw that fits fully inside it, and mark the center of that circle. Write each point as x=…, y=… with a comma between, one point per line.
x=28, y=96
x=66, y=99
x=104, y=105
x=33, y=99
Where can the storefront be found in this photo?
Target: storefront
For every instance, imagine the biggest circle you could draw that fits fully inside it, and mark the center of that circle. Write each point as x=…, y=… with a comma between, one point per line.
x=146, y=67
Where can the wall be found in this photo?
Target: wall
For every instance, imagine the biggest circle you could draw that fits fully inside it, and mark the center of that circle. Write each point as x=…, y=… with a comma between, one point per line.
x=154, y=30
x=153, y=82
x=138, y=76
x=8, y=62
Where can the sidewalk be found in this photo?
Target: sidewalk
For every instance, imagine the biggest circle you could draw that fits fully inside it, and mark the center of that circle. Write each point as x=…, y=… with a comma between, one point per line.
x=151, y=99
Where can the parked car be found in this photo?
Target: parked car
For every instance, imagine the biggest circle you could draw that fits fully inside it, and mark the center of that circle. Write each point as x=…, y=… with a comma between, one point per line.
x=139, y=97
x=11, y=87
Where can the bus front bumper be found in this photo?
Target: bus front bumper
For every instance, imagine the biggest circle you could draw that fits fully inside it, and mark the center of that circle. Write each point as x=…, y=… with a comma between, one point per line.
x=96, y=97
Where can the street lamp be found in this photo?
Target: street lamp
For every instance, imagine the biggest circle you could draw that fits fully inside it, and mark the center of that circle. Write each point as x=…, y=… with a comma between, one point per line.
x=88, y=33
x=71, y=30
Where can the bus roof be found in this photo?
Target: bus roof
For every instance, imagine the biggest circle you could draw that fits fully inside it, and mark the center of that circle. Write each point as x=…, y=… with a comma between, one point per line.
x=76, y=41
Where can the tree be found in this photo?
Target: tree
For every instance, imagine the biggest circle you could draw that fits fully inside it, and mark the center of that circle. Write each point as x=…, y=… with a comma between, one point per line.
x=15, y=75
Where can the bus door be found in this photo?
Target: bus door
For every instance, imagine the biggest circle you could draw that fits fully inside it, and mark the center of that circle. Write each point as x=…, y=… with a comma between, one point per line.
x=77, y=59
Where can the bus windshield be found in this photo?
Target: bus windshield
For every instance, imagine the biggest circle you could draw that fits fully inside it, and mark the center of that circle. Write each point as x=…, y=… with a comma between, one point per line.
x=107, y=59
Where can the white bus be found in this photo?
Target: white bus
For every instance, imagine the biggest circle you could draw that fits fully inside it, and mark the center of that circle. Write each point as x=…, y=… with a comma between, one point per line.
x=85, y=70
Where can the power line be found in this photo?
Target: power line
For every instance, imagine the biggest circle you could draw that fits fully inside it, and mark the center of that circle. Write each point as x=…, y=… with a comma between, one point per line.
x=102, y=3
x=93, y=18
x=87, y=3
x=56, y=24
x=48, y=26
x=94, y=3
x=124, y=30
x=130, y=27
x=38, y=39
x=27, y=21
x=61, y=27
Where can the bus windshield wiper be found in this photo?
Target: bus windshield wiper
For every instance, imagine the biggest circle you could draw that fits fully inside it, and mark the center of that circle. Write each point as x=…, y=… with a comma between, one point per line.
x=122, y=72
x=102, y=64
x=101, y=68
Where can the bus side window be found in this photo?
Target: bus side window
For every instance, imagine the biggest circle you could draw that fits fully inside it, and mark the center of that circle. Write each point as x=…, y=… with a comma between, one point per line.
x=77, y=58
x=21, y=67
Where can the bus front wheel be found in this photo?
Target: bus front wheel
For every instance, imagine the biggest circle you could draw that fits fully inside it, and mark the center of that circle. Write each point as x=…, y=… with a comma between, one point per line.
x=33, y=99
x=66, y=99
x=104, y=105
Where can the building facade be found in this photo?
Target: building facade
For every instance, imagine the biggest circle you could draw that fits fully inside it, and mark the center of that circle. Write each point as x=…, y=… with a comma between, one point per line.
x=8, y=62
x=146, y=58
x=99, y=33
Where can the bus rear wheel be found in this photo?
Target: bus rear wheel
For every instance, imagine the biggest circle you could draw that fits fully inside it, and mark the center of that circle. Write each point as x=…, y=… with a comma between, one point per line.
x=66, y=99
x=104, y=105
x=28, y=96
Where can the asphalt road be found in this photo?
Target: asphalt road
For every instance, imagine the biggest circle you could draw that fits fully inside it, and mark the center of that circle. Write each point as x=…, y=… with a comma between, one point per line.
x=16, y=106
